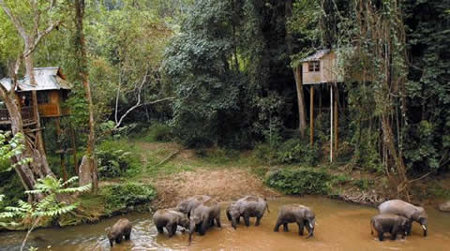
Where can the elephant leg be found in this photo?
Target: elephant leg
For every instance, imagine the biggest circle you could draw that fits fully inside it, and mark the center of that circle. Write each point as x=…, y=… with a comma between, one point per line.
x=300, y=228
x=238, y=220
x=247, y=220
x=203, y=227
x=258, y=219
x=171, y=228
x=408, y=230
x=160, y=229
x=218, y=222
x=285, y=227
x=127, y=235
x=277, y=226
x=380, y=236
x=393, y=236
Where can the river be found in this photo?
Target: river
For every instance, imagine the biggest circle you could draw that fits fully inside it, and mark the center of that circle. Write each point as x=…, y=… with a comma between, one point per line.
x=339, y=226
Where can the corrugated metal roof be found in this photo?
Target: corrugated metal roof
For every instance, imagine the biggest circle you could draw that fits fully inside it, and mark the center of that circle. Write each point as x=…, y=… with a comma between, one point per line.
x=47, y=78
x=316, y=56
x=6, y=82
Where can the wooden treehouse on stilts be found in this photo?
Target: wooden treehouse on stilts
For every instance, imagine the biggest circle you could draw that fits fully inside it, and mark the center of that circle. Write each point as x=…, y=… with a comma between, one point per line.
x=52, y=90
x=319, y=72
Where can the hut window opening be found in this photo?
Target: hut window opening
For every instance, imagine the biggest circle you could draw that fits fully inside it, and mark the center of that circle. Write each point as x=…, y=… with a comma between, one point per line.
x=42, y=98
x=314, y=66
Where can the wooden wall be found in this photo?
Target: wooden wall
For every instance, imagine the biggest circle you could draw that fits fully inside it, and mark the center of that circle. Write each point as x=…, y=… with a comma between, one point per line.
x=326, y=74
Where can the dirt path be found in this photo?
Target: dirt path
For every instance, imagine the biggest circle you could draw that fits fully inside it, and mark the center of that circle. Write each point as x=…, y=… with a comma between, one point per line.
x=223, y=184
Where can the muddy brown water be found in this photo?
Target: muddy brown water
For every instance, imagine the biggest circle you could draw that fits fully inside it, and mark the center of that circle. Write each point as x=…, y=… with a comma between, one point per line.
x=339, y=226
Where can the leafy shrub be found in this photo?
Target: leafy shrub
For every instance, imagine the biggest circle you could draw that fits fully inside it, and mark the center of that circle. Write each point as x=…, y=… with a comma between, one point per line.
x=120, y=196
x=158, y=132
x=265, y=153
x=294, y=151
x=114, y=160
x=363, y=184
x=300, y=181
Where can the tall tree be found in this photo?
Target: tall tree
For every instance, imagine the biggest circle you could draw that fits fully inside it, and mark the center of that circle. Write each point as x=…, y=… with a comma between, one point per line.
x=88, y=165
x=31, y=33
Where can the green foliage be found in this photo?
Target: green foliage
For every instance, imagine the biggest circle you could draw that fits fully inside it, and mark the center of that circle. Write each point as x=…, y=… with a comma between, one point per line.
x=158, y=132
x=120, y=196
x=114, y=160
x=49, y=189
x=426, y=137
x=11, y=148
x=300, y=181
x=363, y=184
x=292, y=151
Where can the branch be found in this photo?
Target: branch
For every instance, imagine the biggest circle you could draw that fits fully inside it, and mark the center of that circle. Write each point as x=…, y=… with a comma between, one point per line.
x=117, y=96
x=40, y=35
x=156, y=101
x=421, y=177
x=138, y=103
x=15, y=20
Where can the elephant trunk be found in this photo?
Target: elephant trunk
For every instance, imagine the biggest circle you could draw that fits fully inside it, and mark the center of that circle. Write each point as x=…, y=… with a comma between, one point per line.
x=425, y=230
x=191, y=231
x=310, y=230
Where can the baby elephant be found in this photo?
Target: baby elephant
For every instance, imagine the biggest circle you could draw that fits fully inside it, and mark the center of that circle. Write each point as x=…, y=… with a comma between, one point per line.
x=249, y=206
x=303, y=216
x=390, y=223
x=188, y=204
x=203, y=217
x=170, y=219
x=121, y=229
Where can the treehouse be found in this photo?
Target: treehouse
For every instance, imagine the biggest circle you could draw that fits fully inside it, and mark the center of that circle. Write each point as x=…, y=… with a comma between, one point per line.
x=51, y=89
x=320, y=70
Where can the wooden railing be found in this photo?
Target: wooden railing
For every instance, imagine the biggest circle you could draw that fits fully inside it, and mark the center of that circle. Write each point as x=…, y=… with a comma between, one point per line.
x=45, y=110
x=27, y=114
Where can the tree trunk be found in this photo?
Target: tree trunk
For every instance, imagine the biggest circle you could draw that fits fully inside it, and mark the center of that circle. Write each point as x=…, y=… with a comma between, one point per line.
x=297, y=73
x=300, y=100
x=23, y=170
x=84, y=75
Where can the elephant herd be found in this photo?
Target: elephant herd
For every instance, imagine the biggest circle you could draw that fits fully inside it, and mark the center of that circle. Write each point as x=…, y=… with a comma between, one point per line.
x=201, y=212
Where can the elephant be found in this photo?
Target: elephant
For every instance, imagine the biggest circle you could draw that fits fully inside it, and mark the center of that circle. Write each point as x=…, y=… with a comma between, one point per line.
x=249, y=206
x=121, y=229
x=302, y=215
x=170, y=219
x=202, y=217
x=186, y=205
x=408, y=210
x=389, y=223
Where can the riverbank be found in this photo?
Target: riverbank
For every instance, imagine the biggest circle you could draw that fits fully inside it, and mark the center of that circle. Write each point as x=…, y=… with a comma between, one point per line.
x=176, y=173
x=168, y=173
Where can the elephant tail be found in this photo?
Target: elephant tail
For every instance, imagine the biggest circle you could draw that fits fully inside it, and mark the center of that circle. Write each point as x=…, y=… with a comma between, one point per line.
x=267, y=205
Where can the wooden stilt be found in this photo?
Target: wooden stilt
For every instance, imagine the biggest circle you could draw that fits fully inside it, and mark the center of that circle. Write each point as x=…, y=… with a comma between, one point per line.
x=311, y=115
x=320, y=101
x=331, y=123
x=74, y=149
x=336, y=120
x=61, y=151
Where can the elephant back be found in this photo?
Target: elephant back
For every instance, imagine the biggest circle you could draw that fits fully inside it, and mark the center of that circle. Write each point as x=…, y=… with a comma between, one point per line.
x=399, y=207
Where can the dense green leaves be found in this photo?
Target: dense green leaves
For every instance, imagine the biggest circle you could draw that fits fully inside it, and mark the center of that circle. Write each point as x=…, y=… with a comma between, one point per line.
x=300, y=181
